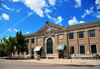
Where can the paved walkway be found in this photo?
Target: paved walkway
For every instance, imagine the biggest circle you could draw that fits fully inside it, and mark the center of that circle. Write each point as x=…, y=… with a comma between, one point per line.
x=64, y=61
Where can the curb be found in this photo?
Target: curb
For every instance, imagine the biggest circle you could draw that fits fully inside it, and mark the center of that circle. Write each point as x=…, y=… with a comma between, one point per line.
x=55, y=64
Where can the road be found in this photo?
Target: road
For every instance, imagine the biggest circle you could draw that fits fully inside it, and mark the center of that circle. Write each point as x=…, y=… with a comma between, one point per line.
x=10, y=64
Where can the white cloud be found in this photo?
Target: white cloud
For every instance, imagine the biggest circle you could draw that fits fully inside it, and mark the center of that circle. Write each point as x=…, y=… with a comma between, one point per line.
x=18, y=10
x=78, y=3
x=27, y=32
x=30, y=13
x=97, y=2
x=88, y=12
x=35, y=5
x=0, y=18
x=5, y=16
x=10, y=30
x=47, y=11
x=15, y=29
x=6, y=37
x=52, y=2
x=98, y=16
x=59, y=19
x=81, y=21
x=1, y=9
x=6, y=7
x=74, y=21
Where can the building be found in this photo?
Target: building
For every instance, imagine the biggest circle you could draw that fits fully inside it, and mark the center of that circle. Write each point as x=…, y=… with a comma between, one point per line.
x=55, y=41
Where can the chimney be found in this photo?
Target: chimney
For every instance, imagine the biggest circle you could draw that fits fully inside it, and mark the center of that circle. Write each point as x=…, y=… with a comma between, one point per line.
x=47, y=22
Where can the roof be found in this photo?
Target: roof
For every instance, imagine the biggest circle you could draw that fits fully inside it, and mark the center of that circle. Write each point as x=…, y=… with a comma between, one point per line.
x=71, y=26
x=83, y=24
x=29, y=35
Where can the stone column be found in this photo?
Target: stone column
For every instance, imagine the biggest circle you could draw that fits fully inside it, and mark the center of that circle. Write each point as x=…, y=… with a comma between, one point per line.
x=98, y=40
x=86, y=36
x=43, y=47
x=30, y=48
x=76, y=42
x=55, y=43
x=35, y=43
x=66, y=42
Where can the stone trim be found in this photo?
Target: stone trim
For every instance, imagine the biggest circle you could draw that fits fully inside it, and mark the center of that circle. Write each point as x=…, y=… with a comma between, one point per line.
x=49, y=37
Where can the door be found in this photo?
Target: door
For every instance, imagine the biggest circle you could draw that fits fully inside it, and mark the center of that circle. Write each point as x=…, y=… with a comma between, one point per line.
x=61, y=54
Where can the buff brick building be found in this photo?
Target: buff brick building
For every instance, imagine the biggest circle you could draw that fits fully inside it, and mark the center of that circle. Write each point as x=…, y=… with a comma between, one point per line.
x=56, y=41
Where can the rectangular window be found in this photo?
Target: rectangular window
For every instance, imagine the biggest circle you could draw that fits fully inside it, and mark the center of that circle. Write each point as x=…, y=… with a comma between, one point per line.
x=92, y=33
x=93, y=49
x=27, y=41
x=81, y=35
x=32, y=51
x=71, y=50
x=82, y=50
x=71, y=36
x=32, y=40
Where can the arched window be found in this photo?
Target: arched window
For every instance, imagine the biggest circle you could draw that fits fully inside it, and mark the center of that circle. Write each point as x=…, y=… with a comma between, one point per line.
x=49, y=46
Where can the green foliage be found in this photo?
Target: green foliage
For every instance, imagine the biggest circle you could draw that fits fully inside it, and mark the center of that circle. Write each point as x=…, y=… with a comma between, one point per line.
x=21, y=45
x=7, y=45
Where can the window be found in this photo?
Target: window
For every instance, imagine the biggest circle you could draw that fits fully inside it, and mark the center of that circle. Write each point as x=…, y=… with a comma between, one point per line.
x=48, y=28
x=49, y=46
x=93, y=49
x=32, y=51
x=81, y=35
x=27, y=41
x=71, y=50
x=71, y=36
x=82, y=50
x=92, y=33
x=32, y=40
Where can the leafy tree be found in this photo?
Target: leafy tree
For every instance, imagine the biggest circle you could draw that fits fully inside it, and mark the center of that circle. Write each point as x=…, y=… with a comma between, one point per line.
x=2, y=46
x=9, y=45
x=21, y=45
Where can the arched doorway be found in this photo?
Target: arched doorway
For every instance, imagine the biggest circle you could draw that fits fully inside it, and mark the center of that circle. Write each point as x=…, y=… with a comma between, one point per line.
x=49, y=46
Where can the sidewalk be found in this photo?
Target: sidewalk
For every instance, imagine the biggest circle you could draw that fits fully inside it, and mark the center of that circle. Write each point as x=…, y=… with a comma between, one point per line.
x=64, y=61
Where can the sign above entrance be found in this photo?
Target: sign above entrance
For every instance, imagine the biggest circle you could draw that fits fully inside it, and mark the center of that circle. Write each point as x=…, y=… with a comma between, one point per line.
x=38, y=48
x=60, y=47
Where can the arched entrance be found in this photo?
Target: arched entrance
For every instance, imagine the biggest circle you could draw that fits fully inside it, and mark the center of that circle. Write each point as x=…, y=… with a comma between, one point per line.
x=49, y=46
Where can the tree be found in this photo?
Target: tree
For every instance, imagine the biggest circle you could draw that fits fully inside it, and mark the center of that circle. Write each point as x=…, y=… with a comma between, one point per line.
x=21, y=45
x=9, y=45
x=2, y=46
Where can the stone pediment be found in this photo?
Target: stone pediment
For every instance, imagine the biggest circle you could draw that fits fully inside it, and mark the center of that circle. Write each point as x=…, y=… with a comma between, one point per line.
x=50, y=28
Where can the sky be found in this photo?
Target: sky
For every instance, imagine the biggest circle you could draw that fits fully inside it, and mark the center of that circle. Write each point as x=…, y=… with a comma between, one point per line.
x=31, y=15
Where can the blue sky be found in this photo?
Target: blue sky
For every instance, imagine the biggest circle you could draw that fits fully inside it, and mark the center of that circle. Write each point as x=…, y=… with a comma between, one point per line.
x=31, y=15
